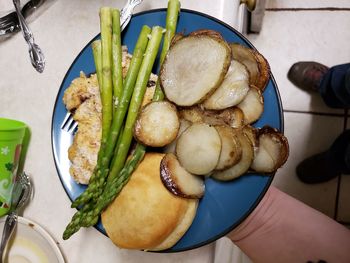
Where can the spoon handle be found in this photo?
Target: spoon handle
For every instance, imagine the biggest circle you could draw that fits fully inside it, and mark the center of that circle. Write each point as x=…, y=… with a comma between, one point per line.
x=27, y=33
x=36, y=54
x=10, y=224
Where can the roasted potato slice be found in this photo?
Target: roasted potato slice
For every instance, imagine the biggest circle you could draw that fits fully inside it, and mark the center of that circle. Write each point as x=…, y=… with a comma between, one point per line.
x=184, y=124
x=233, y=116
x=244, y=163
x=252, y=105
x=231, y=151
x=198, y=148
x=178, y=181
x=194, y=67
x=157, y=124
x=256, y=64
x=264, y=69
x=272, y=152
x=252, y=133
x=192, y=114
x=248, y=57
x=232, y=90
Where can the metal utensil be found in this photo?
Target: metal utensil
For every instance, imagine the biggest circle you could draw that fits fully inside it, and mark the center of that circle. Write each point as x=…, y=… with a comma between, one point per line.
x=36, y=55
x=20, y=194
x=69, y=124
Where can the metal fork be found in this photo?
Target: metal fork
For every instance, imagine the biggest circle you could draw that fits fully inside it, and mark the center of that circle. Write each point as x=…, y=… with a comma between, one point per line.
x=69, y=124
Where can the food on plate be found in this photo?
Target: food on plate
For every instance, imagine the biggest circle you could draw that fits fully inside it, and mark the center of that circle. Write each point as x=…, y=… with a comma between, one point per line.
x=252, y=134
x=194, y=67
x=196, y=117
x=179, y=181
x=231, y=151
x=184, y=124
x=117, y=159
x=244, y=163
x=146, y=215
x=252, y=105
x=232, y=116
x=83, y=98
x=272, y=151
x=232, y=90
x=198, y=148
x=264, y=69
x=157, y=124
x=257, y=65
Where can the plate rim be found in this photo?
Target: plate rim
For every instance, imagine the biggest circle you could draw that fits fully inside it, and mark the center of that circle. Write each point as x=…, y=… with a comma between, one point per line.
x=280, y=109
x=44, y=233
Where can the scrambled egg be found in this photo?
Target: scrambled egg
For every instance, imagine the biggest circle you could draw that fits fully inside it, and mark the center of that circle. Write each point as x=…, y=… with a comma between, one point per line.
x=82, y=98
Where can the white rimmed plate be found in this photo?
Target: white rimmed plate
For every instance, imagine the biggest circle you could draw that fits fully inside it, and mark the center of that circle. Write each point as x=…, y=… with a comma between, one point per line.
x=30, y=243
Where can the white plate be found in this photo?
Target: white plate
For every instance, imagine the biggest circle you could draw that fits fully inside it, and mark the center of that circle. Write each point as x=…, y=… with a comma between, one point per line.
x=30, y=243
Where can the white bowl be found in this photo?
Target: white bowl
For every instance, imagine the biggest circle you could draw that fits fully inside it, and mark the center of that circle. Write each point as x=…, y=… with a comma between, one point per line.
x=30, y=243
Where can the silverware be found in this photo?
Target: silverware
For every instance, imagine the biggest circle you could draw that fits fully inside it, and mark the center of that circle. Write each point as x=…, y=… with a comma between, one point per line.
x=69, y=124
x=36, y=55
x=20, y=194
x=9, y=23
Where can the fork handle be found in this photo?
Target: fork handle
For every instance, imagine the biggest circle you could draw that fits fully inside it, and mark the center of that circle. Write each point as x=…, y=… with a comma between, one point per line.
x=10, y=224
x=126, y=12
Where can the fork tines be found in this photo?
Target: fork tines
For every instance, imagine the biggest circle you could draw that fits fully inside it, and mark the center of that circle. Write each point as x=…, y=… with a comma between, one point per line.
x=69, y=124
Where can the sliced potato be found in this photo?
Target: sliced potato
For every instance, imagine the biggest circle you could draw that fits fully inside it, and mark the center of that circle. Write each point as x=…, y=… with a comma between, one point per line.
x=256, y=64
x=231, y=151
x=243, y=165
x=232, y=90
x=272, y=152
x=194, y=67
x=184, y=124
x=178, y=181
x=157, y=124
x=264, y=69
x=192, y=114
x=248, y=57
x=233, y=116
x=252, y=134
x=198, y=148
x=252, y=105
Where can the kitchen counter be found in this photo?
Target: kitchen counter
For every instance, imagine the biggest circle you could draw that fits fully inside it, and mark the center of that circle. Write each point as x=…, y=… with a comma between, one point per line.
x=62, y=31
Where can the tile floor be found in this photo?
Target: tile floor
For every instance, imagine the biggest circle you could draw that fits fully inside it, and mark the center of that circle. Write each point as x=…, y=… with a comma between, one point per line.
x=308, y=30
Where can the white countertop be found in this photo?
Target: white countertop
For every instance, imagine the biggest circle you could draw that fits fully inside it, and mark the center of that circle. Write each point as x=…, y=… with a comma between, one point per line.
x=62, y=31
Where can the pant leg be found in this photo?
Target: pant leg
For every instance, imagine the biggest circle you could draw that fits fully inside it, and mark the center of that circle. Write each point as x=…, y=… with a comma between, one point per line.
x=339, y=152
x=334, y=88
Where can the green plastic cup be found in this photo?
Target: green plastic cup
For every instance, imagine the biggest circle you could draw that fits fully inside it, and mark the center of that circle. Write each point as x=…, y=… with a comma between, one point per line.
x=11, y=139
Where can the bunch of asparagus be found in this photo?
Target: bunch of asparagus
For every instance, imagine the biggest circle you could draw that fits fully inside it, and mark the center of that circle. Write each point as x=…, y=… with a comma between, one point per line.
x=121, y=100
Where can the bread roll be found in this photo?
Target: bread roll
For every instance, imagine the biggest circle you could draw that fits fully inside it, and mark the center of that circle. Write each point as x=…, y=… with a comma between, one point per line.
x=145, y=215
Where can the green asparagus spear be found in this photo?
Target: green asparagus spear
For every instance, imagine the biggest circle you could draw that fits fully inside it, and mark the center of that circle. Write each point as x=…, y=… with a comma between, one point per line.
x=117, y=71
x=90, y=212
x=136, y=101
x=76, y=221
x=106, y=88
x=98, y=178
x=114, y=187
x=97, y=53
x=170, y=26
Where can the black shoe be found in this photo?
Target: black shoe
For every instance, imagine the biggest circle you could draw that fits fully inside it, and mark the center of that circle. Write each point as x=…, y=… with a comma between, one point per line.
x=325, y=166
x=318, y=168
x=307, y=75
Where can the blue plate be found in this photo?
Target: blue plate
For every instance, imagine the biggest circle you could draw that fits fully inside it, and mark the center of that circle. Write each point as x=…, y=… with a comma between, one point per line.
x=225, y=204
